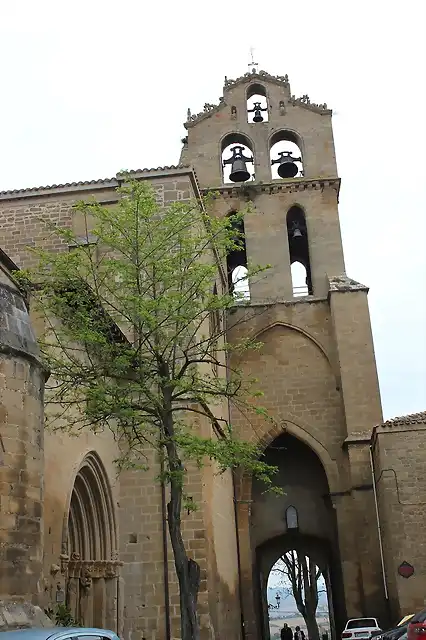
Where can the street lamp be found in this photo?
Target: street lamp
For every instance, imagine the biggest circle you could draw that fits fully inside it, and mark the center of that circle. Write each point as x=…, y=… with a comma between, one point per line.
x=278, y=599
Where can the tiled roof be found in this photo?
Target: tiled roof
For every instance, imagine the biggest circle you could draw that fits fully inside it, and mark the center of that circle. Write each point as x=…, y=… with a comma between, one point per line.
x=412, y=418
x=102, y=181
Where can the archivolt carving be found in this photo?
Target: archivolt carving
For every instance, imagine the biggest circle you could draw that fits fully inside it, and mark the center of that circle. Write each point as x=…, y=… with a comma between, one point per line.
x=90, y=546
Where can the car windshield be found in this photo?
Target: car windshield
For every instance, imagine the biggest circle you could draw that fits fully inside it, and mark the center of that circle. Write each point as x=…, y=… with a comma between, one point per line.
x=360, y=623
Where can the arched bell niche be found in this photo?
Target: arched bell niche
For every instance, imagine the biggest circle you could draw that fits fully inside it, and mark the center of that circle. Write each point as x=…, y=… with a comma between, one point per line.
x=285, y=149
x=298, y=244
x=237, y=155
x=257, y=104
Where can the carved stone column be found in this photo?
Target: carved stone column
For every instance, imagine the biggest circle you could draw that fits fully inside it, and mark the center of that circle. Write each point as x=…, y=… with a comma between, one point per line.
x=99, y=603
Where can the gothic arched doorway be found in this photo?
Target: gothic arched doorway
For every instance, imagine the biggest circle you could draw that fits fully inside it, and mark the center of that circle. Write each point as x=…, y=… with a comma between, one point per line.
x=89, y=559
x=302, y=519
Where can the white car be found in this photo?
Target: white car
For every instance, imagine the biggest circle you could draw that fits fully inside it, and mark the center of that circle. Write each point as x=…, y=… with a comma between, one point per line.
x=361, y=628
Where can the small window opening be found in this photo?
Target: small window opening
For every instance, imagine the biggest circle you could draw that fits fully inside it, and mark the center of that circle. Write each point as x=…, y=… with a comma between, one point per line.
x=299, y=280
x=298, y=244
x=257, y=104
x=236, y=262
x=292, y=518
x=286, y=156
x=237, y=159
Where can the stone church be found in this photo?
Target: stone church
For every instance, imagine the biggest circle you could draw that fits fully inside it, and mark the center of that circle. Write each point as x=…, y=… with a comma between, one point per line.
x=74, y=531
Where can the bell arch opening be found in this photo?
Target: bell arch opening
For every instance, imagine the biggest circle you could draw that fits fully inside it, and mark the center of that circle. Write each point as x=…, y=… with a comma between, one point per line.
x=91, y=542
x=236, y=262
x=237, y=155
x=298, y=244
x=285, y=149
x=299, y=525
x=257, y=104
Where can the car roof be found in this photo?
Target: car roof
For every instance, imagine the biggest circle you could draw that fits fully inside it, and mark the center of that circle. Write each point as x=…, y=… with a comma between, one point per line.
x=53, y=633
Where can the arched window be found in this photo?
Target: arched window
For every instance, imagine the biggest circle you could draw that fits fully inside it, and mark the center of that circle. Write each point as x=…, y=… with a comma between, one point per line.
x=298, y=245
x=236, y=263
x=237, y=158
x=291, y=518
x=286, y=155
x=257, y=104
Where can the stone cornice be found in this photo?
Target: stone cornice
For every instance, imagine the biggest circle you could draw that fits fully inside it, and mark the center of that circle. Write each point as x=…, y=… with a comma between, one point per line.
x=305, y=103
x=245, y=189
x=343, y=284
x=254, y=75
x=209, y=109
x=86, y=570
x=95, y=185
x=358, y=438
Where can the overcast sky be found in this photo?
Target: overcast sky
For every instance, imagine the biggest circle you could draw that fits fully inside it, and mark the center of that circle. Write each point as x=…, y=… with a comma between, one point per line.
x=89, y=88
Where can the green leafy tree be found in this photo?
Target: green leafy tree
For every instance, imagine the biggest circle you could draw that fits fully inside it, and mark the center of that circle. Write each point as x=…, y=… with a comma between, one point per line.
x=135, y=339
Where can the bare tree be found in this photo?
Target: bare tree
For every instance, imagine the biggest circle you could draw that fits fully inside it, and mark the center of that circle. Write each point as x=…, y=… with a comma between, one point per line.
x=302, y=575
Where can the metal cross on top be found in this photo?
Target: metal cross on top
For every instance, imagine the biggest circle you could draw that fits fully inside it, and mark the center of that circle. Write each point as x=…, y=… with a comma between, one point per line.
x=252, y=64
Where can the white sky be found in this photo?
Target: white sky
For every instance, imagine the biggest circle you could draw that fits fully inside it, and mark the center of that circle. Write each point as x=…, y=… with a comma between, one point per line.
x=89, y=88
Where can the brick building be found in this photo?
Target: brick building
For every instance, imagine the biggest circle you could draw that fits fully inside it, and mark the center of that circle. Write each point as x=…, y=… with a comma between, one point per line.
x=316, y=368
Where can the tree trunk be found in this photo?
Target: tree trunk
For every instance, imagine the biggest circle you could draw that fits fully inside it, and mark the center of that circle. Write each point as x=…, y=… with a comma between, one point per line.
x=188, y=571
x=311, y=626
x=310, y=592
x=303, y=576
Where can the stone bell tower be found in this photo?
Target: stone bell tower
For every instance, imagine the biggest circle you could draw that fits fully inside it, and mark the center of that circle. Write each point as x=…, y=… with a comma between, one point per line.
x=317, y=366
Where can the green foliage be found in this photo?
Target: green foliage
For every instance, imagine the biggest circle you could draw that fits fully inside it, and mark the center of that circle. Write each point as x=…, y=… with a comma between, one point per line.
x=135, y=332
x=61, y=616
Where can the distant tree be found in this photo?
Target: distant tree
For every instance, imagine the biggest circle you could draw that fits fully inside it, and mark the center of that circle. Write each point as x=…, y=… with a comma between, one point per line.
x=136, y=342
x=302, y=575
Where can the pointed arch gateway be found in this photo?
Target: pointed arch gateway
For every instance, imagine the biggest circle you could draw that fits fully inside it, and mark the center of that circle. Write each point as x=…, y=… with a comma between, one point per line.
x=89, y=560
x=302, y=519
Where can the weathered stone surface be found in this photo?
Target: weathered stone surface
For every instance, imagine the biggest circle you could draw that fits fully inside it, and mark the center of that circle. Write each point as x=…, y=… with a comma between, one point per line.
x=22, y=615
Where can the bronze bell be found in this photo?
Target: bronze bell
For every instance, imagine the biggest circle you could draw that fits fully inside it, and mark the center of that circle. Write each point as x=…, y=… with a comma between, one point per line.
x=238, y=161
x=257, y=110
x=257, y=113
x=297, y=233
x=287, y=168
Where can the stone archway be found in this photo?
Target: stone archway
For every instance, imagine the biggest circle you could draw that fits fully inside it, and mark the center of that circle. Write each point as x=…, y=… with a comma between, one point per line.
x=305, y=486
x=318, y=550
x=89, y=560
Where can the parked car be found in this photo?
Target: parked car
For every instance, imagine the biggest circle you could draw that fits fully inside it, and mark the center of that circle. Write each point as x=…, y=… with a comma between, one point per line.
x=59, y=633
x=417, y=626
x=400, y=632
x=359, y=628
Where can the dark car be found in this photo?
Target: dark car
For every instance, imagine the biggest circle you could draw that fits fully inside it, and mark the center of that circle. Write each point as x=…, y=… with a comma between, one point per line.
x=59, y=633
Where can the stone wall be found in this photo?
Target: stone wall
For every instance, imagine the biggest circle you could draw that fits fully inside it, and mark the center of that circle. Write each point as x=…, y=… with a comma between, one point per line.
x=398, y=447
x=209, y=532
x=21, y=448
